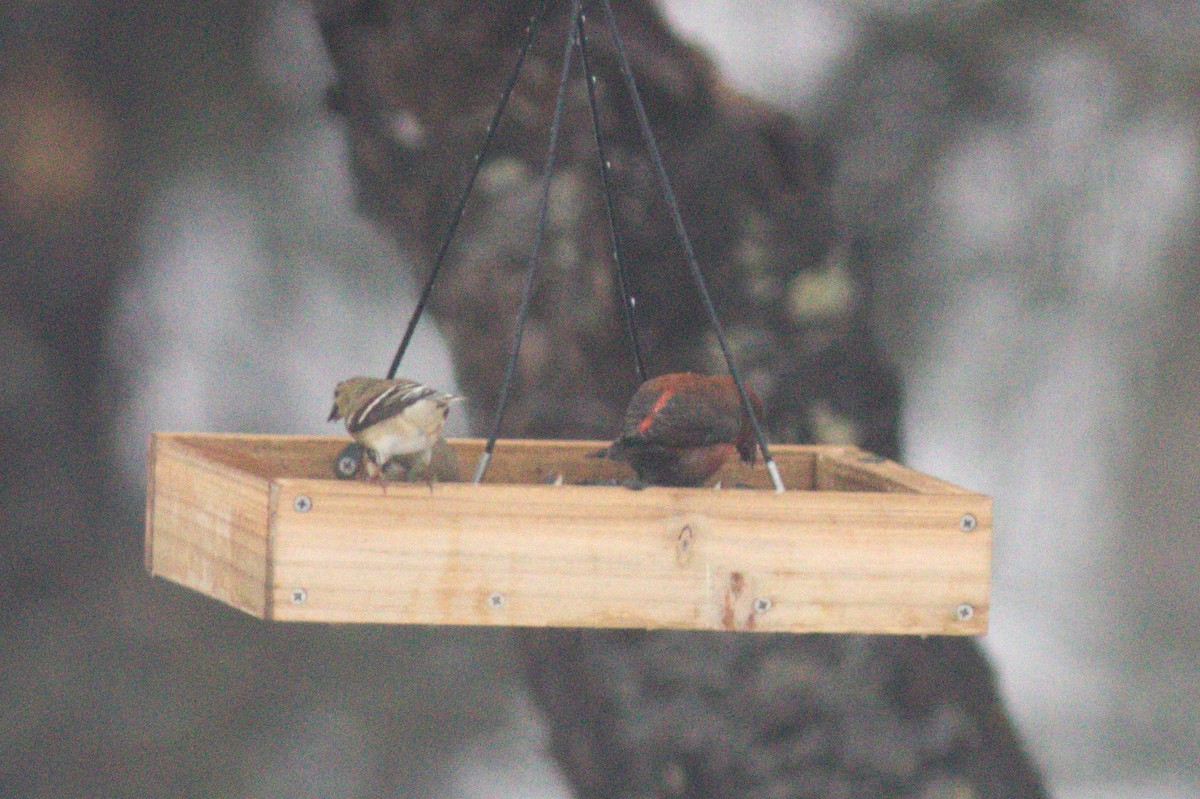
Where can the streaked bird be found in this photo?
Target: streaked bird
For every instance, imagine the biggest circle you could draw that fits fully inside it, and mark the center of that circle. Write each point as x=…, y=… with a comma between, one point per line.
x=392, y=419
x=680, y=428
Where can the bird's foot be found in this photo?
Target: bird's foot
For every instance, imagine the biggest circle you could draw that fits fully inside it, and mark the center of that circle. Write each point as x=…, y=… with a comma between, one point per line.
x=395, y=470
x=375, y=473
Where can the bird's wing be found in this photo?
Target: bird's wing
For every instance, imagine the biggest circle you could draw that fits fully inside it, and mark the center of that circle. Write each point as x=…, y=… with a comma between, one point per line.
x=391, y=401
x=681, y=418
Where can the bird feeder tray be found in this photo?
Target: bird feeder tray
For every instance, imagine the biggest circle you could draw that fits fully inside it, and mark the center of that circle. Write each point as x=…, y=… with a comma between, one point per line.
x=857, y=543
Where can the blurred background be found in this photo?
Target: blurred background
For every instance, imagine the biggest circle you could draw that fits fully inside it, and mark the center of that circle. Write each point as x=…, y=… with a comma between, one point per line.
x=179, y=251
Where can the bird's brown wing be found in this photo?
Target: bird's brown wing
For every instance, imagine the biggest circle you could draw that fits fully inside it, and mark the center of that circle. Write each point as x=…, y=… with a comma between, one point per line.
x=681, y=419
x=393, y=400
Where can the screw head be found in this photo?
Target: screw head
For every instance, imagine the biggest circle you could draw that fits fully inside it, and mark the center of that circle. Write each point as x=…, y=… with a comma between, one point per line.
x=762, y=604
x=496, y=600
x=302, y=504
x=299, y=596
x=964, y=612
x=347, y=462
x=967, y=523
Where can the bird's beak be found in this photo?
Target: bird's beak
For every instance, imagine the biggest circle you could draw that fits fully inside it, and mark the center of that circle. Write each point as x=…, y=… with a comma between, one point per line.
x=333, y=414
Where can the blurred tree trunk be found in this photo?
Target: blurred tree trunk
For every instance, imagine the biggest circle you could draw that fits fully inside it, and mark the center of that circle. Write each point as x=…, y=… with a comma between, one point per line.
x=662, y=713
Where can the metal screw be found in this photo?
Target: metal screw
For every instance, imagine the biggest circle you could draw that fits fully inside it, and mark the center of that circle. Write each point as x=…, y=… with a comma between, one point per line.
x=496, y=601
x=302, y=504
x=762, y=604
x=967, y=523
x=964, y=612
x=299, y=595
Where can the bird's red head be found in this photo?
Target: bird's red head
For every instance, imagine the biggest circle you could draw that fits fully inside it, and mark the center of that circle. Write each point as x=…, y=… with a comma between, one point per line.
x=681, y=427
x=722, y=387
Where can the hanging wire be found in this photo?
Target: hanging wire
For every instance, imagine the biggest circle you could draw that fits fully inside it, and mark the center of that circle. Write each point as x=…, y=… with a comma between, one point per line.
x=538, y=233
x=530, y=33
x=627, y=300
x=689, y=253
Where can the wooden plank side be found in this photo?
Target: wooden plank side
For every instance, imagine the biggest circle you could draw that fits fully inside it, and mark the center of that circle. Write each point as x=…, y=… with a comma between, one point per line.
x=207, y=526
x=610, y=557
x=264, y=455
x=854, y=469
x=151, y=490
x=535, y=462
x=524, y=461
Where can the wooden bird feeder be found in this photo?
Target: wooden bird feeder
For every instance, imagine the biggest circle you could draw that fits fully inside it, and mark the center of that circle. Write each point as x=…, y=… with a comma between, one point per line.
x=846, y=541
x=856, y=544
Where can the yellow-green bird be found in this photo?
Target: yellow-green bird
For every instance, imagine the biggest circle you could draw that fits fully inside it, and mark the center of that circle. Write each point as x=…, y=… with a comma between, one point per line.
x=391, y=418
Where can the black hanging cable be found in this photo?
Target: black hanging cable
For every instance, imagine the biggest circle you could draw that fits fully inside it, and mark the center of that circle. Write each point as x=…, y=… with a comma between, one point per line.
x=627, y=300
x=538, y=233
x=530, y=32
x=689, y=253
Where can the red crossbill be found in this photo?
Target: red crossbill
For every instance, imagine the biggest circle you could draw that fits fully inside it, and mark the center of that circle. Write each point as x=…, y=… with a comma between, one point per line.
x=680, y=428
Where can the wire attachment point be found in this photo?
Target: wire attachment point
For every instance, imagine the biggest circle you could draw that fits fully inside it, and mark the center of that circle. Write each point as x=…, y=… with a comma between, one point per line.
x=481, y=467
x=776, y=478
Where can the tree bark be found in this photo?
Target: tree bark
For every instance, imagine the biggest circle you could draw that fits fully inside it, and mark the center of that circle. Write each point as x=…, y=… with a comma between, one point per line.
x=661, y=713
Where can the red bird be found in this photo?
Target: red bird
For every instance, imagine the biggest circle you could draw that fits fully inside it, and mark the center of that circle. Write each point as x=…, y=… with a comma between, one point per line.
x=680, y=428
